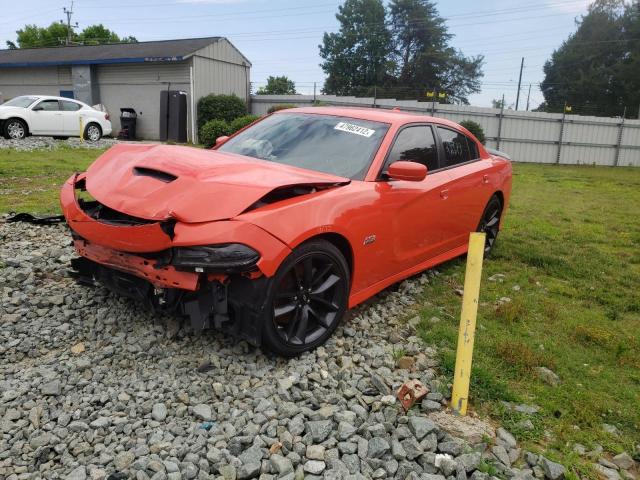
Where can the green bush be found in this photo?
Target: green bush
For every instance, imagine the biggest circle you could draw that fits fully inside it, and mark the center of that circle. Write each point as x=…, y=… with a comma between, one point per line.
x=212, y=130
x=241, y=122
x=220, y=107
x=476, y=129
x=283, y=106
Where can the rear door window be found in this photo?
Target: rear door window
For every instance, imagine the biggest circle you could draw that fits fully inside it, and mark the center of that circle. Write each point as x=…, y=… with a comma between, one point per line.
x=458, y=148
x=70, y=106
x=415, y=144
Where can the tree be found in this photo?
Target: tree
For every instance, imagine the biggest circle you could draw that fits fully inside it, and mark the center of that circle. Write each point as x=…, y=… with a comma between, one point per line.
x=597, y=69
x=498, y=103
x=32, y=36
x=278, y=86
x=423, y=58
x=403, y=52
x=359, y=56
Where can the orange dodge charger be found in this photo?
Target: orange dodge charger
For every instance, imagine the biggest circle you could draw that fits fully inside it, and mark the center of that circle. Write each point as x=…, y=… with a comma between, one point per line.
x=282, y=227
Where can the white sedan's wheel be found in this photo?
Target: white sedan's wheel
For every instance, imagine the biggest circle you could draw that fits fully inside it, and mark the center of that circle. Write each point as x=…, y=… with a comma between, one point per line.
x=93, y=132
x=16, y=129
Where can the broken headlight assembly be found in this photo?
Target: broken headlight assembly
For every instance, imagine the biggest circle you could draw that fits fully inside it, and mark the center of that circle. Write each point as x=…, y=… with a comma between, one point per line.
x=222, y=258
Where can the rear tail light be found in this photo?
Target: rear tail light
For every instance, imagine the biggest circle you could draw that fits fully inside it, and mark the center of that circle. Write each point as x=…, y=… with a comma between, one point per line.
x=107, y=117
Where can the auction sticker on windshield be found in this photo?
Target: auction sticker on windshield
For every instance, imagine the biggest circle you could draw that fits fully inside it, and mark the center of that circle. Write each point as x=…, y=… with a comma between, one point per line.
x=351, y=128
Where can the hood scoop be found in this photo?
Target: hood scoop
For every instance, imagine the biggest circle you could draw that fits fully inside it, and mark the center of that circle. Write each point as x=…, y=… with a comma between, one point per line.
x=165, y=177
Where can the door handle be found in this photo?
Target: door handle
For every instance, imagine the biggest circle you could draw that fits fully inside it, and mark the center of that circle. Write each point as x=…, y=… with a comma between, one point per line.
x=444, y=194
x=485, y=178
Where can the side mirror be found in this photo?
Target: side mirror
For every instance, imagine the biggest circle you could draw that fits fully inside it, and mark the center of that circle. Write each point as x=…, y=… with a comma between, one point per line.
x=37, y=108
x=221, y=140
x=409, y=171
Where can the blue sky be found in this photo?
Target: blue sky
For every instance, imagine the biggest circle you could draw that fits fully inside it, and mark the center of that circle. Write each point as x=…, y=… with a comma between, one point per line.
x=281, y=37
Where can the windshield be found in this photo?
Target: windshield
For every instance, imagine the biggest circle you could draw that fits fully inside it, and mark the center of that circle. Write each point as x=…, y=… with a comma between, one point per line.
x=330, y=144
x=23, y=102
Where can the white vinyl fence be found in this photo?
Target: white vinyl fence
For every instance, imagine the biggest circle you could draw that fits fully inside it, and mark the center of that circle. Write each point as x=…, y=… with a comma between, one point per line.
x=525, y=136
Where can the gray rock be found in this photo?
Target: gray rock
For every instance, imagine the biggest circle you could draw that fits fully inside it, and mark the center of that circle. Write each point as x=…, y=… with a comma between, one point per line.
x=316, y=452
x=469, y=461
x=314, y=467
x=552, y=470
x=505, y=438
x=345, y=430
x=411, y=448
x=501, y=454
x=421, y=426
x=159, y=412
x=547, y=376
x=608, y=473
x=52, y=388
x=123, y=460
x=624, y=461
x=202, y=412
x=228, y=472
x=319, y=429
x=378, y=446
x=281, y=464
x=79, y=473
x=100, y=422
x=249, y=470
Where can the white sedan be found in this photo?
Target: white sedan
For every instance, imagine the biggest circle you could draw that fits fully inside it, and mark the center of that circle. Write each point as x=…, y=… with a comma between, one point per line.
x=52, y=116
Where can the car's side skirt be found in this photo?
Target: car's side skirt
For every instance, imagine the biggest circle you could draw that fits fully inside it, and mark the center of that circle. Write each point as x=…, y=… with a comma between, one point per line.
x=368, y=292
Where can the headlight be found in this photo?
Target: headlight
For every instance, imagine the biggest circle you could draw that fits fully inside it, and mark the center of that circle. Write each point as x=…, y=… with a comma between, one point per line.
x=227, y=258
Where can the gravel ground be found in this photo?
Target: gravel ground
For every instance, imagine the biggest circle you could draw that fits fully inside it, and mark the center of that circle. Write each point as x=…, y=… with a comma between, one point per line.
x=92, y=386
x=49, y=143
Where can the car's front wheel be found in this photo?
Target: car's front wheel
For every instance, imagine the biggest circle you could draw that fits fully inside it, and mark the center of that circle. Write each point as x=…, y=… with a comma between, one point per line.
x=15, y=129
x=93, y=132
x=308, y=296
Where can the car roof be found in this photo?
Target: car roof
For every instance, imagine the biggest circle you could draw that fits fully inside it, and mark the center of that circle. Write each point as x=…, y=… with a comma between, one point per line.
x=397, y=117
x=53, y=97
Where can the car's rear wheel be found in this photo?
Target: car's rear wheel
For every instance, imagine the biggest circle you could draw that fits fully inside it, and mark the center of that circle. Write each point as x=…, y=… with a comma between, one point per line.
x=490, y=223
x=93, y=132
x=15, y=129
x=307, y=298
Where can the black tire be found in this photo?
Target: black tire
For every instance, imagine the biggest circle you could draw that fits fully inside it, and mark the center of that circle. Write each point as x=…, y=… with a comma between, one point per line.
x=15, y=129
x=307, y=298
x=92, y=132
x=490, y=223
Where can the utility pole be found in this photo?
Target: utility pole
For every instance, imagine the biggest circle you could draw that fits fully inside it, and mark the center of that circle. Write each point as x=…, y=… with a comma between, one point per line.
x=519, y=83
x=314, y=93
x=528, y=97
x=69, y=14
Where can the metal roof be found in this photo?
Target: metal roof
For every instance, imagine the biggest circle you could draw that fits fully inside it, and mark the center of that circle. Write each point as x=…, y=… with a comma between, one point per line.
x=157, y=51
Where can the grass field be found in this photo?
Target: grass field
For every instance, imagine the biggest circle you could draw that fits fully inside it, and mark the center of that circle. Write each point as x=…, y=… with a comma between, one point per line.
x=569, y=254
x=30, y=181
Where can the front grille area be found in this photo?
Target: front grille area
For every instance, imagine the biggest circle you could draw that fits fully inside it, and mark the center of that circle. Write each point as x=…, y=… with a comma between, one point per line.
x=102, y=213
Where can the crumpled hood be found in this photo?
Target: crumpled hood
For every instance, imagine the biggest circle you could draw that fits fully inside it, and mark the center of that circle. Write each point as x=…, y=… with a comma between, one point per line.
x=158, y=182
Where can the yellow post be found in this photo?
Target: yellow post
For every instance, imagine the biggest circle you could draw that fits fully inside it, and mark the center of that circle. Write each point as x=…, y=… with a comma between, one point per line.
x=81, y=131
x=466, y=333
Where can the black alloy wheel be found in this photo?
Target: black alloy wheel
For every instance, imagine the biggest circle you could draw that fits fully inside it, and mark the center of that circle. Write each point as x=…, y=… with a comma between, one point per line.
x=490, y=223
x=308, y=297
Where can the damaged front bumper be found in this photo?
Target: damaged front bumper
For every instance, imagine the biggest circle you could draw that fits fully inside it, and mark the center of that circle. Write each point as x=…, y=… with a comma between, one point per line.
x=152, y=262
